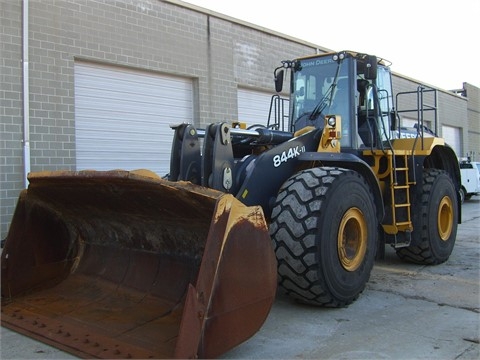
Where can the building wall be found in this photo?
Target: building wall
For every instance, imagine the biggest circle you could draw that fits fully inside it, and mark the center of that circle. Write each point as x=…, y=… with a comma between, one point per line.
x=219, y=53
x=472, y=139
x=11, y=168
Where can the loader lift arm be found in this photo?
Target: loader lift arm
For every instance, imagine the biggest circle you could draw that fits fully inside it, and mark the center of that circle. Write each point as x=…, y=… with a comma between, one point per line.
x=253, y=179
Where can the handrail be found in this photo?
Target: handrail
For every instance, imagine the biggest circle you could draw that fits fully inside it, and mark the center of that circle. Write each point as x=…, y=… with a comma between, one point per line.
x=277, y=104
x=420, y=110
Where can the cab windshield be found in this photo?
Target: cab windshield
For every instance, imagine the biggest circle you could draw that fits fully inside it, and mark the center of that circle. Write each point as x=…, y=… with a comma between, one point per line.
x=320, y=87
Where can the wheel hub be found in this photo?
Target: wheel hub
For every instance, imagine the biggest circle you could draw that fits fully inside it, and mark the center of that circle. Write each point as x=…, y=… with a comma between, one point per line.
x=352, y=239
x=445, y=218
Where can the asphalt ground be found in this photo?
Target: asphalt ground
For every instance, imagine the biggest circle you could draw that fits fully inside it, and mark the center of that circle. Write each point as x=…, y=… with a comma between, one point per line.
x=407, y=311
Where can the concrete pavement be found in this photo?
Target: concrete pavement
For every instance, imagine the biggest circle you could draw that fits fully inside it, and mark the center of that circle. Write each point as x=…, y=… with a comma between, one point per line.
x=406, y=312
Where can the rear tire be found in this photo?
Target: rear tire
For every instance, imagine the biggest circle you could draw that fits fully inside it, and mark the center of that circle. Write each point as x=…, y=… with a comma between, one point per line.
x=435, y=220
x=324, y=230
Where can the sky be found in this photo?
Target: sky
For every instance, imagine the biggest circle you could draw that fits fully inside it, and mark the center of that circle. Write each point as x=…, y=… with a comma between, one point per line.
x=435, y=42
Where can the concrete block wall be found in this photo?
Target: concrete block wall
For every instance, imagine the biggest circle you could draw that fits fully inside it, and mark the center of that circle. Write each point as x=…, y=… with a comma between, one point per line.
x=11, y=127
x=473, y=134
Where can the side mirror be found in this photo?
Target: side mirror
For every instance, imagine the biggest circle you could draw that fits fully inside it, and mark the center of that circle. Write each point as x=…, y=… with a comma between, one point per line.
x=279, y=80
x=370, y=67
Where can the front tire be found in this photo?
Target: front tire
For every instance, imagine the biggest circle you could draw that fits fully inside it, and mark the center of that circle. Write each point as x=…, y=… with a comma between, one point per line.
x=324, y=230
x=435, y=220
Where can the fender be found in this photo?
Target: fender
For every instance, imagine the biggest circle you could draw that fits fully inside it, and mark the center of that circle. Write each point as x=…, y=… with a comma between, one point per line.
x=444, y=157
x=350, y=161
x=263, y=176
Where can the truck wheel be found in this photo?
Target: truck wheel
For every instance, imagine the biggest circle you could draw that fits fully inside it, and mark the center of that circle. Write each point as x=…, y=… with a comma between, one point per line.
x=324, y=231
x=435, y=219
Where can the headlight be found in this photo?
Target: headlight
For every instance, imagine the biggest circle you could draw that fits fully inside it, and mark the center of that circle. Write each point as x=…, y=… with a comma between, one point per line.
x=339, y=56
x=332, y=121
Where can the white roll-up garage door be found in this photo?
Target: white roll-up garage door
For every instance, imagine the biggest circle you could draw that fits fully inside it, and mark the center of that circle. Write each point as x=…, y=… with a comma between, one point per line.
x=453, y=138
x=122, y=117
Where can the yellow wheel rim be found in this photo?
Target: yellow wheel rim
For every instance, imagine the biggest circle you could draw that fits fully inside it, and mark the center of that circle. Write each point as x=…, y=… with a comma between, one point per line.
x=352, y=239
x=445, y=218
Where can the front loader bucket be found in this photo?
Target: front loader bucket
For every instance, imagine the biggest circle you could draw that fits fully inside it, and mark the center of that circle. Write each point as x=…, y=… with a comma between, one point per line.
x=119, y=264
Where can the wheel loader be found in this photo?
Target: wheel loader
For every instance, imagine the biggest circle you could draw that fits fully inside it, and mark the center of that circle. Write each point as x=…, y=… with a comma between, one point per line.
x=125, y=264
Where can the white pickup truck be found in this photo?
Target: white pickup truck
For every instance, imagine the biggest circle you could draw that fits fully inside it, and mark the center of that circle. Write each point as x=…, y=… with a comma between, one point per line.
x=470, y=172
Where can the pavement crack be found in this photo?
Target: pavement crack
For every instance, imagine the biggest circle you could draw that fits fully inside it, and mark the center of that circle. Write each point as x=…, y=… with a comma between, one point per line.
x=475, y=341
x=466, y=351
x=475, y=310
x=423, y=298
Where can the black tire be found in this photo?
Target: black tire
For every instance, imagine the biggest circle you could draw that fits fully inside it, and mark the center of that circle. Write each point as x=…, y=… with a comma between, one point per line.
x=315, y=265
x=435, y=219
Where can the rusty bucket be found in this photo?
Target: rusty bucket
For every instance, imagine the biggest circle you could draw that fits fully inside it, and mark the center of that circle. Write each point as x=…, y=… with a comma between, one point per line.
x=121, y=264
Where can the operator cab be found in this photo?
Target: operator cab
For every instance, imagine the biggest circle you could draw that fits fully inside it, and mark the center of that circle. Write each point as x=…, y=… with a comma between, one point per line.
x=355, y=86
